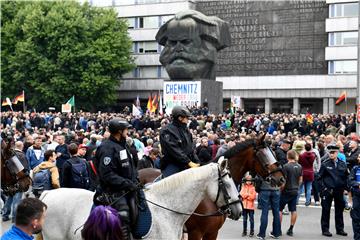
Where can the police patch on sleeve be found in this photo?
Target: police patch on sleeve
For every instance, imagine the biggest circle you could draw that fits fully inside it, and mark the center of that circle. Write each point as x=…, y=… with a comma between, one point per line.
x=107, y=160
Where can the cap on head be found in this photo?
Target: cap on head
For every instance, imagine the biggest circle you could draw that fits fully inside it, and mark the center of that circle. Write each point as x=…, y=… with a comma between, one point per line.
x=180, y=111
x=332, y=147
x=118, y=124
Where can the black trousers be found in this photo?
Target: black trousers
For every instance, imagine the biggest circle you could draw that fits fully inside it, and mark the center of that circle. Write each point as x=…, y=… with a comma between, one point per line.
x=326, y=201
x=355, y=215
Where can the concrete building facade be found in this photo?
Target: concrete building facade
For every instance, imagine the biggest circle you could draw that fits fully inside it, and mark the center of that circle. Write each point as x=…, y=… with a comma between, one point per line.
x=286, y=56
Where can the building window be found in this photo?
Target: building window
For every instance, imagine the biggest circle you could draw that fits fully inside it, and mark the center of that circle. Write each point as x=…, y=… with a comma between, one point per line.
x=131, y=22
x=101, y=3
x=147, y=1
x=343, y=38
x=124, y=2
x=343, y=67
x=148, y=72
x=130, y=74
x=343, y=10
x=147, y=47
x=148, y=22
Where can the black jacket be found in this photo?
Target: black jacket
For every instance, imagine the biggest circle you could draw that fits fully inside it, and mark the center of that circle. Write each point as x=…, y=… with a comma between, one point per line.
x=116, y=167
x=333, y=178
x=145, y=162
x=65, y=155
x=281, y=156
x=177, y=145
x=354, y=182
x=204, y=154
x=351, y=158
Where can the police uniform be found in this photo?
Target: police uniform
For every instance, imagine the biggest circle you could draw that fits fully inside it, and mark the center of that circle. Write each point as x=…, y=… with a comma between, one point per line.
x=176, y=144
x=355, y=191
x=117, y=175
x=333, y=181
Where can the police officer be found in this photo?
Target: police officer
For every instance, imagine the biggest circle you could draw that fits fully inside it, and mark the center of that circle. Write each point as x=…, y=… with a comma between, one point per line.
x=117, y=173
x=355, y=192
x=333, y=181
x=177, y=144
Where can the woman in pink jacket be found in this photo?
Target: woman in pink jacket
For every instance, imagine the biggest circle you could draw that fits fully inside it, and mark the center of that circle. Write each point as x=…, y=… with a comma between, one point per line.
x=248, y=195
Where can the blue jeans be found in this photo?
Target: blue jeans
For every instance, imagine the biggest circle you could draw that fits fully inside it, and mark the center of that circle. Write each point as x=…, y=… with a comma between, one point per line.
x=308, y=187
x=270, y=199
x=11, y=204
x=170, y=169
x=249, y=212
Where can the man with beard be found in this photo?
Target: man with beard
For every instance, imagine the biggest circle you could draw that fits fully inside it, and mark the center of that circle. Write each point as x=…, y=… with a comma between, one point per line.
x=191, y=41
x=30, y=217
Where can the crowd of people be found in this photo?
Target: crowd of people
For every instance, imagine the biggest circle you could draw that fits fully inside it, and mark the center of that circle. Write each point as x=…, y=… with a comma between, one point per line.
x=319, y=154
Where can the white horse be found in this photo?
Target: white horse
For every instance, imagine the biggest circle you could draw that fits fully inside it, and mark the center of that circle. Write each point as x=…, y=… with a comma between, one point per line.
x=68, y=209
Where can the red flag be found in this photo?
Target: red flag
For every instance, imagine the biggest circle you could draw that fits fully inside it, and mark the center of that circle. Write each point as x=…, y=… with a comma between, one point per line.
x=341, y=98
x=149, y=104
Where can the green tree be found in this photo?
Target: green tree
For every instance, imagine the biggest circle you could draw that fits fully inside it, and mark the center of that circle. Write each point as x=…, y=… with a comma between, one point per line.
x=56, y=49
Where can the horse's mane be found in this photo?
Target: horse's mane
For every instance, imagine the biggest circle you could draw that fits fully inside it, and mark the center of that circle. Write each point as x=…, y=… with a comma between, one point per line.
x=176, y=180
x=236, y=149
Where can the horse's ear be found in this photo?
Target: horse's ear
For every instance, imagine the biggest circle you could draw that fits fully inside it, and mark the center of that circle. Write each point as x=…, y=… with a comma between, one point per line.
x=260, y=140
x=223, y=163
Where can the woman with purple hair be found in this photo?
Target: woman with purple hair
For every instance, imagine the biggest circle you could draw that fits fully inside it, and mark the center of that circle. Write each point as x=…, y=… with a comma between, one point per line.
x=102, y=224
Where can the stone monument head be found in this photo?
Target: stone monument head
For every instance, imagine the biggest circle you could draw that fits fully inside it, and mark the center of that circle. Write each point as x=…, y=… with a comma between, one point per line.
x=191, y=41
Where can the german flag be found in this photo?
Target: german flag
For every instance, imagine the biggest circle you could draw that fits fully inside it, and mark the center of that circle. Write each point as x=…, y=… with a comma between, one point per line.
x=19, y=98
x=155, y=103
x=4, y=103
x=341, y=98
x=149, y=104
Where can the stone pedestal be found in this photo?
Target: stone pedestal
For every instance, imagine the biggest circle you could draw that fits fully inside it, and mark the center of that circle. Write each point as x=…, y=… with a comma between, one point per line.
x=212, y=94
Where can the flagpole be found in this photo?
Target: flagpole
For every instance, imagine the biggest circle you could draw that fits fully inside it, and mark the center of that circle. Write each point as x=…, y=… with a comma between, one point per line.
x=23, y=93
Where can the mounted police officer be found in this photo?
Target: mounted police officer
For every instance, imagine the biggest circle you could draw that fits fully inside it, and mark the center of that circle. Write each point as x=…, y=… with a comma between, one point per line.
x=117, y=173
x=177, y=144
x=333, y=181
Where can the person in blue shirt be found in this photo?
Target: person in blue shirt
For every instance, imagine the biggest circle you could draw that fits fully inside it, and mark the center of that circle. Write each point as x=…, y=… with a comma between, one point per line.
x=30, y=216
x=354, y=180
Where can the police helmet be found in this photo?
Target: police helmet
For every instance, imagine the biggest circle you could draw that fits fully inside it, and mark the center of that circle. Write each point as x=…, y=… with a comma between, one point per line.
x=180, y=111
x=118, y=124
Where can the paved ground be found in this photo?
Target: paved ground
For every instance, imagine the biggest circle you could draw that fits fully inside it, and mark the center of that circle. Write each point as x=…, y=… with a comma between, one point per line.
x=307, y=226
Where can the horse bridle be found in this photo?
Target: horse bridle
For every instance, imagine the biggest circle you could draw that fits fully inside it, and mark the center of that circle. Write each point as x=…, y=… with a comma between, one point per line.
x=15, y=187
x=223, y=210
x=258, y=151
x=222, y=189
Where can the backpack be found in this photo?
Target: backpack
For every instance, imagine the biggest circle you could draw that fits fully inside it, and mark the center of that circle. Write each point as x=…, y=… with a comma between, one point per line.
x=79, y=175
x=41, y=182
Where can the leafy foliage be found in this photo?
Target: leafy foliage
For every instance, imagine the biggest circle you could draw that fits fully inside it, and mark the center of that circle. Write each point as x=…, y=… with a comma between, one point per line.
x=56, y=49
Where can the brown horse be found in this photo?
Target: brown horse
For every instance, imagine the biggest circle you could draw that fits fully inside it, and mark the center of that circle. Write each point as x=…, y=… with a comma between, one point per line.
x=14, y=177
x=251, y=155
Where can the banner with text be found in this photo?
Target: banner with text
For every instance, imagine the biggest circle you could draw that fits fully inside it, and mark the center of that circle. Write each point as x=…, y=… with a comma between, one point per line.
x=182, y=93
x=236, y=100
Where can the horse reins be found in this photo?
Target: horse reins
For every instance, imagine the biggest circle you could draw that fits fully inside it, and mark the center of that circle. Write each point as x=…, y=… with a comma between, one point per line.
x=220, y=212
x=222, y=188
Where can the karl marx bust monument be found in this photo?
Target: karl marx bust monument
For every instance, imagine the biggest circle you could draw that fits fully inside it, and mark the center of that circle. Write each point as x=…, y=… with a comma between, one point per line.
x=191, y=41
